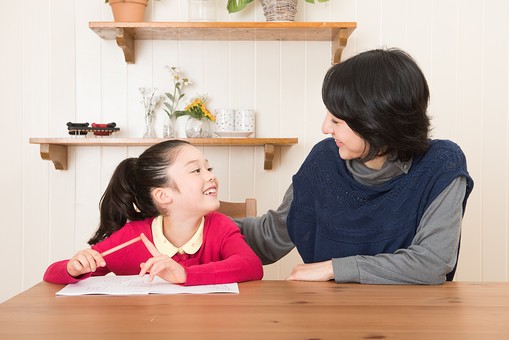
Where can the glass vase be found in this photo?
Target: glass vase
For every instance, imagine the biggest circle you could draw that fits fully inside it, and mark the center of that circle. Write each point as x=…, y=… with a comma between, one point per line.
x=149, y=126
x=202, y=10
x=169, y=126
x=198, y=128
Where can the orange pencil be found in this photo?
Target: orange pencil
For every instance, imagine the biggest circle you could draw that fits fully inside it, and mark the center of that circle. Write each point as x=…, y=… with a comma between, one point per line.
x=120, y=246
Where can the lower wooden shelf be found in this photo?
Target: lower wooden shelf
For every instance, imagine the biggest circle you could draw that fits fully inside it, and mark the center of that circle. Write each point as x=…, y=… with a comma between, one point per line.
x=55, y=149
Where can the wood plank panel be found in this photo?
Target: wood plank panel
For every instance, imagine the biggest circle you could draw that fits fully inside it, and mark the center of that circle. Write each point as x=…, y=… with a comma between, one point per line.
x=494, y=142
x=469, y=118
x=36, y=104
x=12, y=169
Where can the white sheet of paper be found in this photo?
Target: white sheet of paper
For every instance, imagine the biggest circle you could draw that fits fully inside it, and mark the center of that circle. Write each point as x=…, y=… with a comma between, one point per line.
x=139, y=285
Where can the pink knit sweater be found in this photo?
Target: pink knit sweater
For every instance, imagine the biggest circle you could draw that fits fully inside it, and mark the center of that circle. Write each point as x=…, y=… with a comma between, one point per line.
x=224, y=256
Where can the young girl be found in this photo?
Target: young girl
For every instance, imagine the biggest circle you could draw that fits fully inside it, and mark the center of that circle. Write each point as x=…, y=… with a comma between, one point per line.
x=167, y=196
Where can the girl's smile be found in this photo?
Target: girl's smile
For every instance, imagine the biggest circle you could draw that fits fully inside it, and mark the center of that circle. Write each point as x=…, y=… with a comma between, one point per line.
x=211, y=191
x=196, y=184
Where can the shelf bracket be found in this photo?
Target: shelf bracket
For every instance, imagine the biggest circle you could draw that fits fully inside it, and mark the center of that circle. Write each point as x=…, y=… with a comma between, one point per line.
x=125, y=40
x=55, y=153
x=338, y=44
x=269, y=156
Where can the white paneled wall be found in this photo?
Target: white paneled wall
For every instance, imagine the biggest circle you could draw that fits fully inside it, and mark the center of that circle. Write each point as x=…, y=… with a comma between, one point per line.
x=55, y=70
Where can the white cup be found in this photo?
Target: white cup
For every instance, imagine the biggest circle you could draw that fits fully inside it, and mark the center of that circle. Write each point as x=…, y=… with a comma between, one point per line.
x=245, y=120
x=225, y=120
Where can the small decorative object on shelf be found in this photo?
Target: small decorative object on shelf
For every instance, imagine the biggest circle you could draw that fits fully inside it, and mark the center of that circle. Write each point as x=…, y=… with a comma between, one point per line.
x=202, y=10
x=245, y=120
x=235, y=123
x=279, y=10
x=151, y=101
x=198, y=128
x=199, y=123
x=274, y=10
x=82, y=129
x=225, y=120
x=173, y=100
x=128, y=10
x=77, y=129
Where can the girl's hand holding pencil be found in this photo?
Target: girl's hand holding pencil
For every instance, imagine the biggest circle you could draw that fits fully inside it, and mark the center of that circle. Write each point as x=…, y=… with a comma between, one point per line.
x=87, y=260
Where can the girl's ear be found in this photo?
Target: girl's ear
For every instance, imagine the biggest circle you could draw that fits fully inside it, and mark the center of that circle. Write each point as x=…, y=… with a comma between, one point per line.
x=162, y=196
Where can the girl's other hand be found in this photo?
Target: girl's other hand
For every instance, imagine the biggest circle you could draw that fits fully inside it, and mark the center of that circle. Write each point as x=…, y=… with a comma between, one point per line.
x=85, y=261
x=161, y=265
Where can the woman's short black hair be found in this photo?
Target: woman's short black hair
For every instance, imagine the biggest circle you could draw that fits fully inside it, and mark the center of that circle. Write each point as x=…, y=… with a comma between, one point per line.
x=383, y=96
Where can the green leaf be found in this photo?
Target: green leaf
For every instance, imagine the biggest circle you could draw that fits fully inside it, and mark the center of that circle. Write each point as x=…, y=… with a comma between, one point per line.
x=237, y=5
x=182, y=113
x=169, y=95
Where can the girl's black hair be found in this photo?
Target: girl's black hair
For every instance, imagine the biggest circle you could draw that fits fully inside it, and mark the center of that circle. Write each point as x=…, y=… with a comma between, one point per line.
x=383, y=96
x=128, y=195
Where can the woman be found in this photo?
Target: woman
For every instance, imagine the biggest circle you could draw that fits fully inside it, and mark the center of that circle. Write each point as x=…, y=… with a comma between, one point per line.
x=379, y=202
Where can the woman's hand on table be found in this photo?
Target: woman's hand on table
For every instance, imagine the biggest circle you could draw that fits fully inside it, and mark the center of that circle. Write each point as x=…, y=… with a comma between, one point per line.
x=318, y=271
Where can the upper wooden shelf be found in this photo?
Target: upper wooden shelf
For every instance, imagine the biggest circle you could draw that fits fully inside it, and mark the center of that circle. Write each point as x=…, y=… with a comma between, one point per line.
x=55, y=149
x=125, y=33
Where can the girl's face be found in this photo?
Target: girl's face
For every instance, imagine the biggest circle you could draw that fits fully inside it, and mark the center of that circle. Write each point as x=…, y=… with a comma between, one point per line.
x=350, y=144
x=197, y=185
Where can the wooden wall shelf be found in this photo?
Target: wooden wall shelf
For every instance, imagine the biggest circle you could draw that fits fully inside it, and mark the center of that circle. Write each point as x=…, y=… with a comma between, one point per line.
x=55, y=149
x=125, y=33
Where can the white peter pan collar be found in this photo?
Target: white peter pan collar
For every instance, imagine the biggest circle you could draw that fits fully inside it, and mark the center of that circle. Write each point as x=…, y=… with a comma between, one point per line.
x=164, y=246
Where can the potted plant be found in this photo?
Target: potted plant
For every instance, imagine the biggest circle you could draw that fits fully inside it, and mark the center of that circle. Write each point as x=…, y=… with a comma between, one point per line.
x=128, y=10
x=274, y=10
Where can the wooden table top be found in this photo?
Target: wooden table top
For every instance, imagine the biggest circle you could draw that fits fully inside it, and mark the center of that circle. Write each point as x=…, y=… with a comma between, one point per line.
x=267, y=310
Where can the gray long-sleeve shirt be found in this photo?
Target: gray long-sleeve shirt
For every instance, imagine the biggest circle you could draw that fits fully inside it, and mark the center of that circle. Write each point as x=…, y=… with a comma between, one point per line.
x=432, y=254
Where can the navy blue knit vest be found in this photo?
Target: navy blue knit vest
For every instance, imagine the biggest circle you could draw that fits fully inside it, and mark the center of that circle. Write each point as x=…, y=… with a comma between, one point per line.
x=334, y=216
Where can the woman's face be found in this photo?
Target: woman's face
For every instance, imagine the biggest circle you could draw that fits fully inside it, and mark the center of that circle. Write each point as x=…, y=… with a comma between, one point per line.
x=350, y=144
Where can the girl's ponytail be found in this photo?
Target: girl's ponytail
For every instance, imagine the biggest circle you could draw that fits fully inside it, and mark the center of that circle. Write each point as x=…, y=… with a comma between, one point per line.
x=116, y=205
